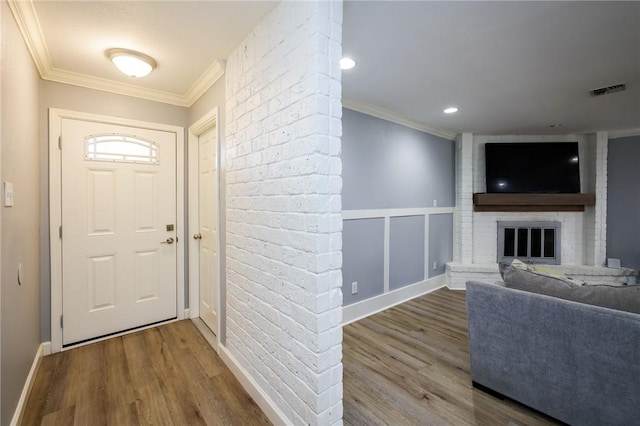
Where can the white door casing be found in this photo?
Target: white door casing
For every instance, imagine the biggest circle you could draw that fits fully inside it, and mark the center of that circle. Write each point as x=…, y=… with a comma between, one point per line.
x=204, y=262
x=110, y=272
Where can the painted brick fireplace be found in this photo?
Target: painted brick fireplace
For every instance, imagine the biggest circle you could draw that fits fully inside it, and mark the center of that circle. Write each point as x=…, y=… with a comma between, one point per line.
x=583, y=242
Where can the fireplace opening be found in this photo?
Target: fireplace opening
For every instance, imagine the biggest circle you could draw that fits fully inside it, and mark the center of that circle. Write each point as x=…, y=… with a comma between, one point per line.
x=532, y=242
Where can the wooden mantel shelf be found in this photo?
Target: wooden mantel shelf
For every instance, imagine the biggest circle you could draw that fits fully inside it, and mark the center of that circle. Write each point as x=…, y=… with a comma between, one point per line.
x=485, y=202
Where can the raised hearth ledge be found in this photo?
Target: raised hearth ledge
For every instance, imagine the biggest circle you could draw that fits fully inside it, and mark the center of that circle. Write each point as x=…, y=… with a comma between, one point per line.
x=492, y=202
x=459, y=273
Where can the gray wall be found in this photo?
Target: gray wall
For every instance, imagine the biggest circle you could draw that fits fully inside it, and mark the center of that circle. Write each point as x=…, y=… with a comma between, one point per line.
x=389, y=166
x=406, y=251
x=362, y=259
x=440, y=243
x=386, y=165
x=215, y=97
x=20, y=156
x=623, y=201
x=74, y=98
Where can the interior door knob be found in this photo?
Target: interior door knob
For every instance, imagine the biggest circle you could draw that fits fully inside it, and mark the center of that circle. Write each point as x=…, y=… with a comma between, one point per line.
x=169, y=240
x=197, y=236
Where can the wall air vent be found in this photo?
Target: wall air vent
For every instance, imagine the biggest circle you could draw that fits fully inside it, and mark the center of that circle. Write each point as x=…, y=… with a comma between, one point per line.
x=607, y=90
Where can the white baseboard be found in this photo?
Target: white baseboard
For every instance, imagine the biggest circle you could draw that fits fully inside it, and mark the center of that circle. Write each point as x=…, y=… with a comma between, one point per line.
x=456, y=288
x=46, y=348
x=263, y=400
x=26, y=390
x=376, y=304
x=208, y=335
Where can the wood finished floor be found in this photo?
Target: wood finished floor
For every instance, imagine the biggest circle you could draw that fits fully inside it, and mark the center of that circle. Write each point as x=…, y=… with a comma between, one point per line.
x=409, y=365
x=167, y=375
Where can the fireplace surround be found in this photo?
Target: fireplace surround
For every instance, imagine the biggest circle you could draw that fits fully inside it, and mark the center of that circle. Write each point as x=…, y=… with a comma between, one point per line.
x=583, y=217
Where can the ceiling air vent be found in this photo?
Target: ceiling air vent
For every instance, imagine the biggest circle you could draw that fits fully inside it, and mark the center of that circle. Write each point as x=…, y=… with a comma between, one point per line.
x=607, y=90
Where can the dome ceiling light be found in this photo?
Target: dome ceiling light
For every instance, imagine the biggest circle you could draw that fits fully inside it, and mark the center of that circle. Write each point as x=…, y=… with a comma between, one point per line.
x=132, y=63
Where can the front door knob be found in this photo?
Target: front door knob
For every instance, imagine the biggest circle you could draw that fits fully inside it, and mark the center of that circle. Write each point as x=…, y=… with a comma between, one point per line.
x=169, y=240
x=197, y=236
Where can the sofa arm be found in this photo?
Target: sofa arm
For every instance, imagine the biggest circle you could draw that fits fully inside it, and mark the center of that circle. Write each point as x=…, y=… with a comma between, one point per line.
x=575, y=362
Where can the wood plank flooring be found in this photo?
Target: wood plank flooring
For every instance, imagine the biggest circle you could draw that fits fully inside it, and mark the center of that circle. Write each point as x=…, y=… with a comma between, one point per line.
x=409, y=365
x=167, y=375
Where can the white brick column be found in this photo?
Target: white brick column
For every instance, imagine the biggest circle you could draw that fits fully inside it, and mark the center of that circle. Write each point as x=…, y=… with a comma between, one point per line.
x=284, y=225
x=600, y=225
x=463, y=217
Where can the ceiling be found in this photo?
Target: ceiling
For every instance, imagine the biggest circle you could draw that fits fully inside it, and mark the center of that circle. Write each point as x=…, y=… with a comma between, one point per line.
x=510, y=67
x=188, y=39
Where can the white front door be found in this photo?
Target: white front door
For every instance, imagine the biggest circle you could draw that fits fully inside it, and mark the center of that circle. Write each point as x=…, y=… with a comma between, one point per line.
x=208, y=227
x=119, y=248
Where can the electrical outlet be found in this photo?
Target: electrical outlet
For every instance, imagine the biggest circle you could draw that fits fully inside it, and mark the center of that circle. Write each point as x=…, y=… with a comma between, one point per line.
x=435, y=265
x=354, y=287
x=8, y=194
x=435, y=203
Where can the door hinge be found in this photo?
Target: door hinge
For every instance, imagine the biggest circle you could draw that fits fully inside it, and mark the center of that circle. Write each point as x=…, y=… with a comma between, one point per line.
x=60, y=142
x=60, y=231
x=61, y=322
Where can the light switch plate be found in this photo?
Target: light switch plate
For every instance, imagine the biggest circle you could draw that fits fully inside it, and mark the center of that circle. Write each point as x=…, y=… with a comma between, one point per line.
x=8, y=194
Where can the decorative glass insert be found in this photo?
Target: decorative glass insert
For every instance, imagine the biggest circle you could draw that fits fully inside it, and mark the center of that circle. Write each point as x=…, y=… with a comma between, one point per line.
x=120, y=148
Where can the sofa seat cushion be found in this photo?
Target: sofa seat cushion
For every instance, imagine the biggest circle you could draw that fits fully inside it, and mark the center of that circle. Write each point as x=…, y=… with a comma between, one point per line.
x=622, y=298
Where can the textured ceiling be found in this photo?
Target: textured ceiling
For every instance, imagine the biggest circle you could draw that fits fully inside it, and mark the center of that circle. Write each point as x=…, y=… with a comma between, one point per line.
x=510, y=67
x=184, y=37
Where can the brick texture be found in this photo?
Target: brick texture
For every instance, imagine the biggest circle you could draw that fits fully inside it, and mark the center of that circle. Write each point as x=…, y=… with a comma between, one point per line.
x=475, y=234
x=284, y=224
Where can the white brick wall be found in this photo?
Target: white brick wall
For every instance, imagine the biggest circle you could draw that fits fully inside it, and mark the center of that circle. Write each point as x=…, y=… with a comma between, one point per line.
x=284, y=225
x=595, y=218
x=463, y=216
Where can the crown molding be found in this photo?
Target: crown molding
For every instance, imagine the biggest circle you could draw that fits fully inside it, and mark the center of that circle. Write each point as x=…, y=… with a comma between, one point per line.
x=105, y=85
x=27, y=20
x=390, y=116
x=614, y=134
x=206, y=80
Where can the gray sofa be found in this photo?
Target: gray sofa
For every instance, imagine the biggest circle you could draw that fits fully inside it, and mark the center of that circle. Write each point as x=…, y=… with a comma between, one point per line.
x=575, y=362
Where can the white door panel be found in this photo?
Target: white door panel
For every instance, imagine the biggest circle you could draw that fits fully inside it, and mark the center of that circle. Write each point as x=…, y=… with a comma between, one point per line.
x=208, y=227
x=117, y=274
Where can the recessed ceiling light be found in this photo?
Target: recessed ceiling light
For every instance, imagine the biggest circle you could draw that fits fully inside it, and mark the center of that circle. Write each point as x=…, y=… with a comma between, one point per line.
x=555, y=125
x=347, y=63
x=131, y=63
x=450, y=110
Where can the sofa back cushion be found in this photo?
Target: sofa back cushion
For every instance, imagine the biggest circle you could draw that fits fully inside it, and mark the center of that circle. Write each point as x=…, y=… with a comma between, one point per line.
x=622, y=298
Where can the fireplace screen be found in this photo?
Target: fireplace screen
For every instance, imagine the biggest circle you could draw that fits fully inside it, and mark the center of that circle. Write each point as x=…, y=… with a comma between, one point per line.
x=532, y=242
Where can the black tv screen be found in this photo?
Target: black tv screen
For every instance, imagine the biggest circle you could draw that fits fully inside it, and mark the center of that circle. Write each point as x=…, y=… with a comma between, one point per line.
x=540, y=167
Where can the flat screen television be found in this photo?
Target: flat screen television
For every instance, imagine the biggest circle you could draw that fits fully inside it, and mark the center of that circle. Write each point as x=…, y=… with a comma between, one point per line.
x=538, y=167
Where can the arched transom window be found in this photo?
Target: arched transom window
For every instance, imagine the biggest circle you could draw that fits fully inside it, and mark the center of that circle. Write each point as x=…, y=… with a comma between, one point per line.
x=121, y=148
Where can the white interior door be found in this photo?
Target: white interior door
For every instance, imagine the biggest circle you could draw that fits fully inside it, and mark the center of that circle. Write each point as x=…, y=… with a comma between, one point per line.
x=119, y=226
x=208, y=227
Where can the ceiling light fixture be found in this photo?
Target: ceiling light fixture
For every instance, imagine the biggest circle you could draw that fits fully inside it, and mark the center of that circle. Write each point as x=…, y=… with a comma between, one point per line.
x=347, y=63
x=132, y=63
x=450, y=110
